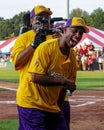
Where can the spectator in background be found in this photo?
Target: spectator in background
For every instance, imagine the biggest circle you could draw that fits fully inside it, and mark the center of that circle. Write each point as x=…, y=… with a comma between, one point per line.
x=100, y=62
x=91, y=48
x=85, y=48
x=90, y=63
x=78, y=58
x=94, y=55
x=84, y=62
x=81, y=51
x=2, y=59
x=99, y=52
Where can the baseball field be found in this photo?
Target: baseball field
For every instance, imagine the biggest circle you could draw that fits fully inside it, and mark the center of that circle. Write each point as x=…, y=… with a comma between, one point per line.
x=87, y=102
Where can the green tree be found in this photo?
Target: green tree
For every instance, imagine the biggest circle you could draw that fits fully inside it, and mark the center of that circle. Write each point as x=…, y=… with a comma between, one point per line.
x=10, y=27
x=1, y=18
x=79, y=13
x=97, y=19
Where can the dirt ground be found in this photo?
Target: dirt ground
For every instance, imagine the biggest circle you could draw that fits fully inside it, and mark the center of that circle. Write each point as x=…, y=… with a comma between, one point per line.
x=87, y=108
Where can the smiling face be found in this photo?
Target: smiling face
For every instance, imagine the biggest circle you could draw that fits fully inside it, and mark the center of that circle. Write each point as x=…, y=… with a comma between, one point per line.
x=73, y=35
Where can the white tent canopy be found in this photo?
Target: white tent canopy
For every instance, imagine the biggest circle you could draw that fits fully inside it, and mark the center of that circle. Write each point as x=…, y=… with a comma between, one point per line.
x=7, y=45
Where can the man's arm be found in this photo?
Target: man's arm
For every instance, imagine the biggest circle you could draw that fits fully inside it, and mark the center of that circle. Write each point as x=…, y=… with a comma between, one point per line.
x=51, y=80
x=23, y=57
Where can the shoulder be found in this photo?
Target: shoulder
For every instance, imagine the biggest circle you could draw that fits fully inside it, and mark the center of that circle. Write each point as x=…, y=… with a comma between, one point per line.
x=27, y=34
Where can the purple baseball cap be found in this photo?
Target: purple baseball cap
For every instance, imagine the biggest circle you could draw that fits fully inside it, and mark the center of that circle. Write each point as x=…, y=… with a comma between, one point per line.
x=39, y=9
x=32, y=13
x=76, y=21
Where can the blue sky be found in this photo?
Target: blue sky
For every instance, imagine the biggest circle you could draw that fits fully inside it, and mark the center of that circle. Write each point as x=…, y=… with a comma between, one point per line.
x=9, y=8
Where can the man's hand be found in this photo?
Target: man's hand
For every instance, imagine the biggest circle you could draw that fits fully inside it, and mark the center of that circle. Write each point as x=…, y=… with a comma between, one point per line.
x=38, y=40
x=70, y=85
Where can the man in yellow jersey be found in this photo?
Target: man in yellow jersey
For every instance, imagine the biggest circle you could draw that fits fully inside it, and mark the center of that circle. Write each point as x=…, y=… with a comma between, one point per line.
x=51, y=67
x=25, y=43
x=24, y=48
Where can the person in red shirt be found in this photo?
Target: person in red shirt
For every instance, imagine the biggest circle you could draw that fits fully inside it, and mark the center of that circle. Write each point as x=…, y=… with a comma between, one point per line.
x=85, y=48
x=90, y=63
x=81, y=51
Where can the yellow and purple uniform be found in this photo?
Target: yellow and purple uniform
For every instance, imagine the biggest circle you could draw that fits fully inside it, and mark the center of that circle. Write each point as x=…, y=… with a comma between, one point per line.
x=47, y=56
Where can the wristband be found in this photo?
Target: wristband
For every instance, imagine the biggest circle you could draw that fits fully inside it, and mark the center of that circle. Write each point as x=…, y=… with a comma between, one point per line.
x=32, y=45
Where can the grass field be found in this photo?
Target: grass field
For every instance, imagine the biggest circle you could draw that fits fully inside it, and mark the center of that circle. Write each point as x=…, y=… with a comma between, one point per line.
x=8, y=125
x=9, y=75
x=85, y=80
x=90, y=80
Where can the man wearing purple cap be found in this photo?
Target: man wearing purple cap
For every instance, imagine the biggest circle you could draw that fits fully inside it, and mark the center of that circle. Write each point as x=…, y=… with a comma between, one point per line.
x=53, y=71
x=22, y=53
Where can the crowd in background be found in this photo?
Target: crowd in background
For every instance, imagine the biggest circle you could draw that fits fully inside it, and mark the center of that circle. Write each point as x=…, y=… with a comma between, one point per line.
x=88, y=57
x=5, y=61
